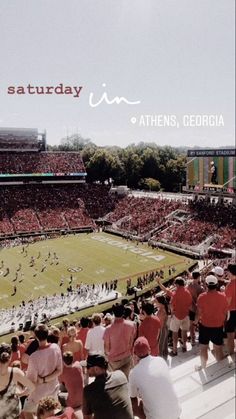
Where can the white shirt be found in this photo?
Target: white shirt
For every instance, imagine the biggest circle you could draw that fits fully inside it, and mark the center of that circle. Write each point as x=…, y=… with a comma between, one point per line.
x=150, y=380
x=42, y=363
x=94, y=341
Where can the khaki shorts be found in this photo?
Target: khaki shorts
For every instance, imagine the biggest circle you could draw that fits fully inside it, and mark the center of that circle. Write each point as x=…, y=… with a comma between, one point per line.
x=124, y=365
x=176, y=324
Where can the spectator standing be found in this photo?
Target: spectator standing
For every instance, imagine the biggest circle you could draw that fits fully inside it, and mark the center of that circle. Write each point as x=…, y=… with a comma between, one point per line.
x=75, y=346
x=135, y=314
x=15, y=355
x=218, y=271
x=54, y=335
x=150, y=327
x=195, y=288
x=151, y=382
x=118, y=341
x=64, y=338
x=82, y=333
x=230, y=293
x=107, y=319
x=22, y=349
x=44, y=367
x=163, y=315
x=211, y=312
x=94, y=343
x=107, y=396
x=31, y=346
x=181, y=301
x=72, y=378
x=9, y=378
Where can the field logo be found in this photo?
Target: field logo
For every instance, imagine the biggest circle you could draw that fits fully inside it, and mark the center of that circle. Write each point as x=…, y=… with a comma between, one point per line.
x=75, y=269
x=132, y=249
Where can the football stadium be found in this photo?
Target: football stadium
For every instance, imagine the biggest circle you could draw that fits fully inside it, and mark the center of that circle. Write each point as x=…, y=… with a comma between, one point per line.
x=75, y=254
x=86, y=258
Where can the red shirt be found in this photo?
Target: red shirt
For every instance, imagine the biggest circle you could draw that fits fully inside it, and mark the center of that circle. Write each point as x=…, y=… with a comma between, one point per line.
x=181, y=301
x=65, y=339
x=195, y=290
x=150, y=329
x=119, y=338
x=15, y=356
x=22, y=349
x=212, y=307
x=230, y=292
x=72, y=377
x=81, y=335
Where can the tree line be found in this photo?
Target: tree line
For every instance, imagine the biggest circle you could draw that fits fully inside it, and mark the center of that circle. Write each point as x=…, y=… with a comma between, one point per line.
x=143, y=165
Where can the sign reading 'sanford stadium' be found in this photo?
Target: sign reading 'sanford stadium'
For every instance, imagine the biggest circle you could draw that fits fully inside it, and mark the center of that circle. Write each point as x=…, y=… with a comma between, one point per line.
x=231, y=152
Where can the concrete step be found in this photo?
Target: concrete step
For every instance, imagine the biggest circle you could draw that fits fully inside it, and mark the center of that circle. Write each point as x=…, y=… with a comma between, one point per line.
x=204, y=403
x=208, y=393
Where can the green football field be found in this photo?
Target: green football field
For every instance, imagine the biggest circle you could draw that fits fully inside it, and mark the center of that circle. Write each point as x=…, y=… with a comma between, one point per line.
x=88, y=258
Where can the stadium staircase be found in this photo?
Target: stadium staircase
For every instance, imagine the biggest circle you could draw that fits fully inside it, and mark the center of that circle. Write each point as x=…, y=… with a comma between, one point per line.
x=40, y=225
x=208, y=393
x=124, y=219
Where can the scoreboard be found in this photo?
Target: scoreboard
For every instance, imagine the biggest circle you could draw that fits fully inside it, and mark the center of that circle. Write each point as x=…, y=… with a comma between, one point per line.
x=211, y=170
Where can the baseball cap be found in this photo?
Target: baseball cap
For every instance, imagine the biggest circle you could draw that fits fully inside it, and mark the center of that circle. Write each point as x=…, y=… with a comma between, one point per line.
x=211, y=280
x=108, y=316
x=141, y=347
x=218, y=271
x=96, y=361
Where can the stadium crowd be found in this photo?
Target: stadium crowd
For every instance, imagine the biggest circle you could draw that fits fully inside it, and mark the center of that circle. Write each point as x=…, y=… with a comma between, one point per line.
x=39, y=208
x=192, y=233
x=220, y=213
x=43, y=207
x=142, y=215
x=51, y=369
x=219, y=223
x=145, y=214
x=58, y=163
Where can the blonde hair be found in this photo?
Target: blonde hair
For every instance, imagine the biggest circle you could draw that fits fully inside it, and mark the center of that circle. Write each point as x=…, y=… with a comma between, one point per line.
x=71, y=331
x=47, y=404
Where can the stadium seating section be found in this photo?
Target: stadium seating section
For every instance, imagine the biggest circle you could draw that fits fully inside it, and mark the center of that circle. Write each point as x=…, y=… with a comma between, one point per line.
x=41, y=162
x=46, y=207
x=144, y=214
x=37, y=208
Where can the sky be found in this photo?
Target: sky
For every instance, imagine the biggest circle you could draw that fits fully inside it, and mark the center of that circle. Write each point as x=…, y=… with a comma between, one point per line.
x=160, y=63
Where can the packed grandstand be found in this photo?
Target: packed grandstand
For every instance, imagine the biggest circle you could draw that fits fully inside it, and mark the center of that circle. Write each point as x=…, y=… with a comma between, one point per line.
x=45, y=194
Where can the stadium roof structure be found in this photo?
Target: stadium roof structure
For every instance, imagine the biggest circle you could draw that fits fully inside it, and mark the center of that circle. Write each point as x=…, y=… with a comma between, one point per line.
x=22, y=139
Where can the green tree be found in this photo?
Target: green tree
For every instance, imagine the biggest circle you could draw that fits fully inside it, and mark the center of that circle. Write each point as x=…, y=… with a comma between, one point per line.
x=150, y=184
x=74, y=142
x=132, y=166
x=151, y=163
x=129, y=165
x=102, y=166
x=175, y=174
